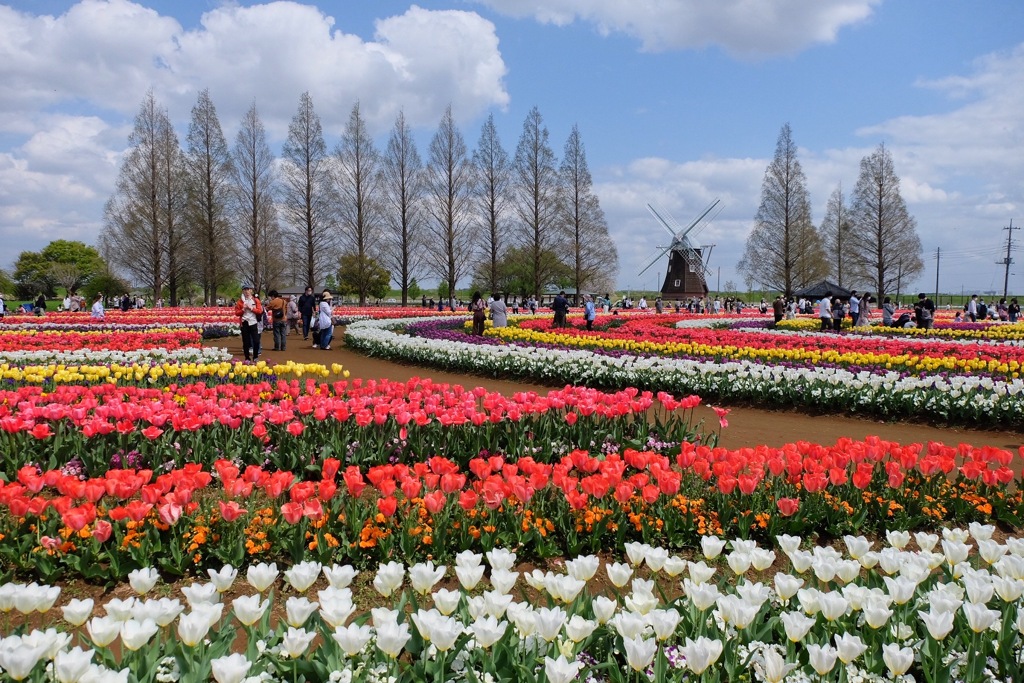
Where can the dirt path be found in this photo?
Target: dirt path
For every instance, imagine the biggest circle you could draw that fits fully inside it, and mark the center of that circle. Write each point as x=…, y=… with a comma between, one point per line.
x=747, y=426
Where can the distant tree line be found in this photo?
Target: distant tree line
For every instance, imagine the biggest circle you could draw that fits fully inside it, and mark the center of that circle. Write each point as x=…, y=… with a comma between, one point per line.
x=868, y=241
x=358, y=216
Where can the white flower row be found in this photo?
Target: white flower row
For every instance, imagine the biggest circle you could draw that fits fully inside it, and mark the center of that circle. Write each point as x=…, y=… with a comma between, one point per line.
x=958, y=398
x=878, y=611
x=107, y=357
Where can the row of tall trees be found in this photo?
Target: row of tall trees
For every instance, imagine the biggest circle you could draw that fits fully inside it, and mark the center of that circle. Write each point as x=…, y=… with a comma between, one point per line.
x=209, y=214
x=866, y=241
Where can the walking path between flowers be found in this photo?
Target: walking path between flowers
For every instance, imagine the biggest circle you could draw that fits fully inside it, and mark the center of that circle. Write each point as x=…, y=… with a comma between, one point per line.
x=747, y=426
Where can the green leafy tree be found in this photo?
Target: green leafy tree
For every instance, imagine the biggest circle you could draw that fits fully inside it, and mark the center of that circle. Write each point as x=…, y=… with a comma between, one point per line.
x=363, y=274
x=106, y=283
x=72, y=263
x=415, y=291
x=32, y=275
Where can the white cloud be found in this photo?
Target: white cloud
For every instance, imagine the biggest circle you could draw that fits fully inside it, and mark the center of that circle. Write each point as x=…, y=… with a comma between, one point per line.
x=740, y=27
x=100, y=57
x=107, y=53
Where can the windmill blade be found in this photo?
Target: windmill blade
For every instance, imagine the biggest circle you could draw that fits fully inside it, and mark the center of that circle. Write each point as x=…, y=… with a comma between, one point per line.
x=664, y=223
x=701, y=217
x=656, y=259
x=701, y=224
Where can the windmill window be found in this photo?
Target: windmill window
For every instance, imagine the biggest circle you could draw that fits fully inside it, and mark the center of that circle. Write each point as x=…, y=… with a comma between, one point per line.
x=677, y=283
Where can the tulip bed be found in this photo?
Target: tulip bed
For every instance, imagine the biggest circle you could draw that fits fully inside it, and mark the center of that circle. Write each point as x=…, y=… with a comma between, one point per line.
x=938, y=612
x=938, y=381
x=164, y=461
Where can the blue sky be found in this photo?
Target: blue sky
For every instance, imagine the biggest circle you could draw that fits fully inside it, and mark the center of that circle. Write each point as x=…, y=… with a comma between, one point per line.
x=678, y=101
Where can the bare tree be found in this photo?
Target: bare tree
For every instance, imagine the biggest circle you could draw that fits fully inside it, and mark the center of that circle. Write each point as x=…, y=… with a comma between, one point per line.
x=359, y=187
x=258, y=236
x=536, y=202
x=884, y=246
x=593, y=257
x=210, y=189
x=310, y=201
x=173, y=199
x=835, y=231
x=784, y=250
x=449, y=190
x=134, y=232
x=402, y=196
x=494, y=175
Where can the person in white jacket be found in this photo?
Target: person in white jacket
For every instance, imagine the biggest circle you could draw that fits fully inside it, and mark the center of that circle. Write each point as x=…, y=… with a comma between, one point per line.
x=326, y=321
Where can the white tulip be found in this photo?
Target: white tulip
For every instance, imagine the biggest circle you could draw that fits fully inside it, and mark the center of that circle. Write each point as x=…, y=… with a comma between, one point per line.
x=898, y=539
x=700, y=572
x=467, y=558
x=578, y=628
x=488, y=630
x=636, y=552
x=352, y=638
x=340, y=576
x=979, y=617
x=897, y=659
x=143, y=580
x=103, y=630
x=939, y=624
x=500, y=558
x=786, y=585
x=857, y=546
x=503, y=580
x=200, y=594
x=583, y=568
x=69, y=666
x=469, y=577
x=299, y=609
x=604, y=608
x=822, y=658
x=711, y=546
x=561, y=670
x=262, y=576
x=446, y=600
x=796, y=625
x=248, y=609
x=136, y=634
x=639, y=652
x=926, y=541
x=618, y=573
x=230, y=669
x=76, y=612
x=296, y=642
x=849, y=647
x=303, y=575
x=223, y=579
x=701, y=653
x=424, y=575
x=389, y=578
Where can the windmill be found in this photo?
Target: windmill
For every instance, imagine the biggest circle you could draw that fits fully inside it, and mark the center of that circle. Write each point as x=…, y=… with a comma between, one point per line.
x=687, y=263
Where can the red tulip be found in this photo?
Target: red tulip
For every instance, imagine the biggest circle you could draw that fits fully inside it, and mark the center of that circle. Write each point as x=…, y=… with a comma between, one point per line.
x=788, y=506
x=230, y=510
x=387, y=505
x=435, y=501
x=354, y=481
x=101, y=530
x=291, y=512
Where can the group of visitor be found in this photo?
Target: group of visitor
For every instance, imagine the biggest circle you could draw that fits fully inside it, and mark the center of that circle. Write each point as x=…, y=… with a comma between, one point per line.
x=284, y=315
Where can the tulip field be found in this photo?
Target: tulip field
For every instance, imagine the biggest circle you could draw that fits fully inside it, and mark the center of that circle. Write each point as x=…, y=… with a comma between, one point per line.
x=285, y=522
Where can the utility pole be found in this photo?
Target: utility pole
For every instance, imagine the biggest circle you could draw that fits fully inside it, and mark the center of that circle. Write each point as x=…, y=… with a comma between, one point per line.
x=938, y=253
x=1008, y=260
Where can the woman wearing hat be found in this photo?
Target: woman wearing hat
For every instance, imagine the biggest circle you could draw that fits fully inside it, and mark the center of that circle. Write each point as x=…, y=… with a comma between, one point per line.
x=249, y=310
x=326, y=321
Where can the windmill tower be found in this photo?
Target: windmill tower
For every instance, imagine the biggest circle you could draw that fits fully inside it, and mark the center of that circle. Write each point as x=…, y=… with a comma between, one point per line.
x=687, y=263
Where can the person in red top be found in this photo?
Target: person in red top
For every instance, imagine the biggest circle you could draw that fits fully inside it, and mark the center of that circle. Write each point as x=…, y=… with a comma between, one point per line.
x=250, y=311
